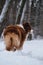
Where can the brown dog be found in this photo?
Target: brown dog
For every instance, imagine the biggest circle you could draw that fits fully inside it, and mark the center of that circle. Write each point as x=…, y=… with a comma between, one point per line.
x=15, y=35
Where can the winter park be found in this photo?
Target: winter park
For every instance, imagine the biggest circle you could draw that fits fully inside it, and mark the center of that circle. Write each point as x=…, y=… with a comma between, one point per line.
x=21, y=32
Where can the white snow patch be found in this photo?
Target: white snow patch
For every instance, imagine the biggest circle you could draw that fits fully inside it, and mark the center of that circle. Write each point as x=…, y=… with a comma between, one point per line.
x=32, y=54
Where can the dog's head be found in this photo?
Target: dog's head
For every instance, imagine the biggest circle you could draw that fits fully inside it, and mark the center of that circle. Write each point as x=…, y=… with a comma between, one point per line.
x=27, y=27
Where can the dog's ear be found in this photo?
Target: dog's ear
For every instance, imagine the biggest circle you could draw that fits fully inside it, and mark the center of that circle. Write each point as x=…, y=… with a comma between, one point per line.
x=27, y=27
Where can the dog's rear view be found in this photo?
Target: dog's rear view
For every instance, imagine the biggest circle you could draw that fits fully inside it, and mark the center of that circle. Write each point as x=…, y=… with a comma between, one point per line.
x=15, y=35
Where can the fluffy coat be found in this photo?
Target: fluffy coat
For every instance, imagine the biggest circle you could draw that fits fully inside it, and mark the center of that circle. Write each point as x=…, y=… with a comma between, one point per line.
x=15, y=35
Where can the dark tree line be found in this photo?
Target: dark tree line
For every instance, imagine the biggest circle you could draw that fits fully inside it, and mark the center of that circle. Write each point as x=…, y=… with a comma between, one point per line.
x=32, y=14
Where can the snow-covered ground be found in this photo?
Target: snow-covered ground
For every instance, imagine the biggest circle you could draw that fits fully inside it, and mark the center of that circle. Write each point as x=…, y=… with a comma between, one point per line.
x=32, y=54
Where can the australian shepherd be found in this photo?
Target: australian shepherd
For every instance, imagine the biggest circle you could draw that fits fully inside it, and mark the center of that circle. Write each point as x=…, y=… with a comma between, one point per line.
x=15, y=35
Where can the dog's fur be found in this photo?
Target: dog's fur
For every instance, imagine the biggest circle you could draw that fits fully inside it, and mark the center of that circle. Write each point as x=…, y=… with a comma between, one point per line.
x=15, y=35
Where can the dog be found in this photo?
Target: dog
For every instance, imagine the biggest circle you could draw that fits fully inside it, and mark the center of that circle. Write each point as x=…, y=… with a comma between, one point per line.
x=15, y=35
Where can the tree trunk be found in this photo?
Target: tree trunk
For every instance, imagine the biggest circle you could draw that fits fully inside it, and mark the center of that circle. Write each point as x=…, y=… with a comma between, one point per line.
x=3, y=17
x=2, y=2
x=20, y=11
x=41, y=19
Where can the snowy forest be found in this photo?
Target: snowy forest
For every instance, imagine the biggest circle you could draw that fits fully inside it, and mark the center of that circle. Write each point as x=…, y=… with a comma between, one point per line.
x=19, y=11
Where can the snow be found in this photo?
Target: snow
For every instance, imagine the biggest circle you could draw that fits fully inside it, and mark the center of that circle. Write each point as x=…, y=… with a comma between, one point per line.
x=31, y=54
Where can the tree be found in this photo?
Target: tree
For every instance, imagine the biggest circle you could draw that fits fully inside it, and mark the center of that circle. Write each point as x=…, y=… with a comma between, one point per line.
x=20, y=11
x=34, y=17
x=41, y=18
x=3, y=17
x=37, y=23
x=1, y=5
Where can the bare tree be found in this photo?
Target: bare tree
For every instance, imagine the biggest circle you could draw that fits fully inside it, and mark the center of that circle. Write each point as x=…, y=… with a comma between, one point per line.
x=41, y=18
x=3, y=17
x=1, y=5
x=4, y=10
x=20, y=11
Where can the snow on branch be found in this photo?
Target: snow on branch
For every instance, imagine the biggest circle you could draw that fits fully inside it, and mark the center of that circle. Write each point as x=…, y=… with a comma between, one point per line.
x=4, y=10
